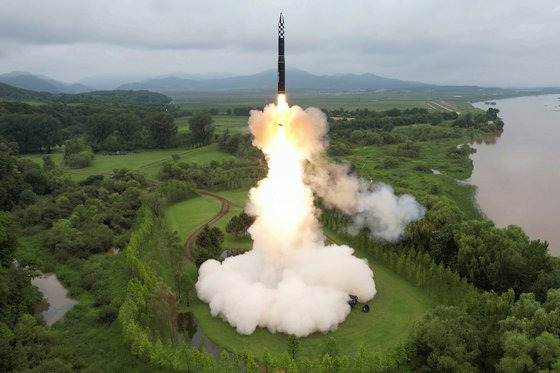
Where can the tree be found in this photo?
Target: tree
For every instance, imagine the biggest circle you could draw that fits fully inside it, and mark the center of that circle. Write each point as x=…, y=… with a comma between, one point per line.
x=162, y=129
x=208, y=244
x=11, y=180
x=48, y=163
x=8, y=240
x=331, y=348
x=293, y=346
x=239, y=224
x=201, y=127
x=32, y=132
x=250, y=364
x=128, y=128
x=77, y=154
x=447, y=340
x=99, y=127
x=48, y=129
x=210, y=238
x=517, y=348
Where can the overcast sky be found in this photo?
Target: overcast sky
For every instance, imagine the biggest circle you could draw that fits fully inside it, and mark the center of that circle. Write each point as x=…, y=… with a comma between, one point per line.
x=445, y=42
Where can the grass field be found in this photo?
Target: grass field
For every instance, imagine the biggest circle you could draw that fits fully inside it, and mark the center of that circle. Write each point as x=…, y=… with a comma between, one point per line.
x=396, y=307
x=459, y=98
x=147, y=162
x=403, y=176
x=221, y=123
x=184, y=217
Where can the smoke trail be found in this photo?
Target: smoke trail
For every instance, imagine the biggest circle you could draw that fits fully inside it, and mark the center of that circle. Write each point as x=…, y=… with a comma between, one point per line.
x=291, y=281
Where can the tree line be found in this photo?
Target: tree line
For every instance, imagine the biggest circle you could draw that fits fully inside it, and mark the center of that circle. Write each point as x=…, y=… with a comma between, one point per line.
x=100, y=127
x=499, y=290
x=8, y=92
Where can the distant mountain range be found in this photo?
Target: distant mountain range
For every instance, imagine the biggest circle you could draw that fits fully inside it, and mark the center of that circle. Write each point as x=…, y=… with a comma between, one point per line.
x=25, y=80
x=9, y=92
x=181, y=82
x=266, y=80
x=296, y=80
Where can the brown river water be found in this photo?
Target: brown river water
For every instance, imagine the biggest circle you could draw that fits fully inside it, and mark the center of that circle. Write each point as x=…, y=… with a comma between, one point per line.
x=518, y=174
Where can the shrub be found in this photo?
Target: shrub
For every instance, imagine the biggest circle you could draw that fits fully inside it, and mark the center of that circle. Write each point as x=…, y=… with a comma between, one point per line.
x=108, y=314
x=389, y=163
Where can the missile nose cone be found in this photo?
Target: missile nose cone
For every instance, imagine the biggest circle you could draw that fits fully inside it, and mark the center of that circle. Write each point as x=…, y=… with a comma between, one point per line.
x=281, y=21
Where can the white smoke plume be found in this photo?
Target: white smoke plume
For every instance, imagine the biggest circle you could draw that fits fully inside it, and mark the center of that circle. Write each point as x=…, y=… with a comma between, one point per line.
x=290, y=281
x=374, y=206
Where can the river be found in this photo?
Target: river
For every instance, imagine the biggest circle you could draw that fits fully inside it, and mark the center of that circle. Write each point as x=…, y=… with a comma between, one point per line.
x=518, y=174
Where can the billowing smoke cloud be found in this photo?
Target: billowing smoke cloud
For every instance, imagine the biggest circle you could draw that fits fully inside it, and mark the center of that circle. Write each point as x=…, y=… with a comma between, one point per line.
x=374, y=206
x=291, y=281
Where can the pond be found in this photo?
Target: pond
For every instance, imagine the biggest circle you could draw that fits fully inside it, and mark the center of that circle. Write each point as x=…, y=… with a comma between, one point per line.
x=55, y=295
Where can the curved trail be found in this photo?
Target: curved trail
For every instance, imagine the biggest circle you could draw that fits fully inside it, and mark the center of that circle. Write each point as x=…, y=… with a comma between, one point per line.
x=226, y=205
x=224, y=210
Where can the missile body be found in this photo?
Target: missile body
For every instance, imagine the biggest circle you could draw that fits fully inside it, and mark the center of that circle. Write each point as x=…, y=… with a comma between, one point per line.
x=281, y=61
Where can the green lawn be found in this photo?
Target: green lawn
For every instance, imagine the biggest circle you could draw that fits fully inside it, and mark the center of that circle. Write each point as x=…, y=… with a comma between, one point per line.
x=184, y=217
x=396, y=307
x=237, y=196
x=147, y=162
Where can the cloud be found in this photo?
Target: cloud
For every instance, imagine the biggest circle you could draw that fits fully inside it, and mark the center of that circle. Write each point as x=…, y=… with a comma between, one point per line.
x=428, y=41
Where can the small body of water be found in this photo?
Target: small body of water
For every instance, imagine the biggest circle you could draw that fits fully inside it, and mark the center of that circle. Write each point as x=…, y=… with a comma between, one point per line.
x=187, y=325
x=518, y=173
x=55, y=294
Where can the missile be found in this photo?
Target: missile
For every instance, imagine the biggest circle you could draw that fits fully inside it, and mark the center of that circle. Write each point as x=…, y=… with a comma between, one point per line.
x=281, y=61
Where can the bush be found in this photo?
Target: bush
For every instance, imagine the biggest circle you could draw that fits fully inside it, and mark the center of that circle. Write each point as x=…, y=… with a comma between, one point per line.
x=108, y=314
x=176, y=190
x=423, y=168
x=338, y=149
x=408, y=150
x=77, y=154
x=102, y=298
x=389, y=163
x=79, y=160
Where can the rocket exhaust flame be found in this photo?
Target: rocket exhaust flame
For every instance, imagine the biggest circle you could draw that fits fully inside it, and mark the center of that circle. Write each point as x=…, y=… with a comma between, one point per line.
x=290, y=281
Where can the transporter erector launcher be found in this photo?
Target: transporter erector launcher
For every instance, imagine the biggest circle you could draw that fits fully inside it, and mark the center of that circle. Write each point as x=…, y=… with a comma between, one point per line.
x=281, y=61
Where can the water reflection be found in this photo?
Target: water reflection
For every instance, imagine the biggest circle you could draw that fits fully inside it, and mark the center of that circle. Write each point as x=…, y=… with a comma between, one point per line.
x=188, y=326
x=487, y=139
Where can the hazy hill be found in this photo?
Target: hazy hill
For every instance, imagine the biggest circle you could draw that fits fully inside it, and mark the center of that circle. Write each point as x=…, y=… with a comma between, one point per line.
x=295, y=80
x=8, y=92
x=40, y=83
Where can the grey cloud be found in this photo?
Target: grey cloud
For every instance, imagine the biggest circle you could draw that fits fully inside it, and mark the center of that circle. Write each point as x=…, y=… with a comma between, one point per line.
x=464, y=42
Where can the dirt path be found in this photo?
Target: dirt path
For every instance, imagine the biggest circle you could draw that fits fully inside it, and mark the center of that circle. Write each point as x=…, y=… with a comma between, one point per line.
x=226, y=205
x=331, y=239
x=168, y=158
